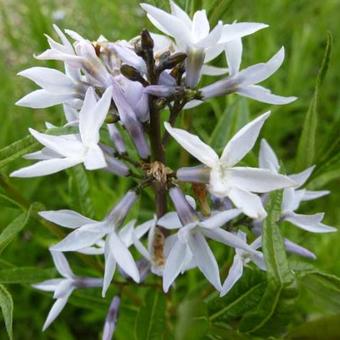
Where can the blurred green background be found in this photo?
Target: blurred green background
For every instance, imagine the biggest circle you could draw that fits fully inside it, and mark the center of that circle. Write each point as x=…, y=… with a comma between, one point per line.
x=299, y=25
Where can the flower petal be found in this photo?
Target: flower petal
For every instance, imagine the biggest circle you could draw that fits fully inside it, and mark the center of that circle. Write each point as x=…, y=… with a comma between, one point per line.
x=47, y=167
x=200, y=25
x=167, y=23
x=312, y=195
x=174, y=264
x=239, y=30
x=235, y=273
x=310, y=223
x=243, y=141
x=258, y=180
x=233, y=51
x=203, y=152
x=257, y=73
x=94, y=158
x=228, y=238
x=82, y=237
x=123, y=256
x=301, y=177
x=263, y=95
x=93, y=114
x=267, y=157
x=110, y=266
x=65, y=218
x=299, y=250
x=62, y=265
x=48, y=285
x=249, y=203
x=56, y=310
x=49, y=79
x=205, y=259
x=219, y=219
x=40, y=99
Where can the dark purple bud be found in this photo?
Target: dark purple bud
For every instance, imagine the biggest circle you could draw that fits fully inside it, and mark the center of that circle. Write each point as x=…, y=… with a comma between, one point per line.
x=111, y=319
x=146, y=40
x=171, y=61
x=185, y=211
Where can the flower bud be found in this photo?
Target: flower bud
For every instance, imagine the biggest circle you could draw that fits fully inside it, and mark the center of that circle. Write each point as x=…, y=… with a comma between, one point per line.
x=185, y=211
x=115, y=166
x=119, y=212
x=172, y=61
x=116, y=138
x=131, y=73
x=111, y=319
x=146, y=40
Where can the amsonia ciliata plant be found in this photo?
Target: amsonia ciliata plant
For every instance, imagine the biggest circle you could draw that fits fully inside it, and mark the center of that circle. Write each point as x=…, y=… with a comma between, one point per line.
x=117, y=94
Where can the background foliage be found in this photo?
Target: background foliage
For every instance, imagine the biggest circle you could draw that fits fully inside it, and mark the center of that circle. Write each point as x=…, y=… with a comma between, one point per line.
x=309, y=128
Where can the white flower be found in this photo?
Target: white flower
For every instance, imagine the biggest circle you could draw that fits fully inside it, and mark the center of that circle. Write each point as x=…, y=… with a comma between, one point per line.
x=227, y=180
x=190, y=245
x=241, y=258
x=194, y=37
x=89, y=232
x=245, y=82
x=292, y=197
x=64, y=287
x=62, y=152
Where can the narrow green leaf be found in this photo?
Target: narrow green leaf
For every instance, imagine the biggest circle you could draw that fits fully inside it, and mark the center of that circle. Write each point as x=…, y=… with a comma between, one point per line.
x=25, y=275
x=80, y=188
x=306, y=148
x=25, y=145
x=192, y=320
x=243, y=297
x=6, y=304
x=8, y=234
x=280, y=292
x=17, y=149
x=150, y=322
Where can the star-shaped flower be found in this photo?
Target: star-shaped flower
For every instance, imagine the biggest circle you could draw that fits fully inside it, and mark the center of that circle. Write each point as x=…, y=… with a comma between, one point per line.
x=64, y=287
x=62, y=152
x=194, y=36
x=292, y=197
x=227, y=180
x=245, y=82
x=89, y=232
x=189, y=246
x=241, y=258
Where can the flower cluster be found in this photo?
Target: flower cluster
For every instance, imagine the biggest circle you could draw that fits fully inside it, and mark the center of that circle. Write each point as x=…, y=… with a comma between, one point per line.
x=115, y=91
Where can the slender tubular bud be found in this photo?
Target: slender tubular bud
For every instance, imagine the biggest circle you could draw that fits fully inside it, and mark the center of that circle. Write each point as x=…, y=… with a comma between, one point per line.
x=219, y=88
x=116, y=138
x=88, y=282
x=111, y=319
x=115, y=166
x=197, y=174
x=185, y=211
x=119, y=212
